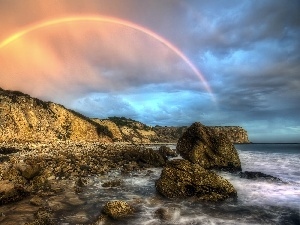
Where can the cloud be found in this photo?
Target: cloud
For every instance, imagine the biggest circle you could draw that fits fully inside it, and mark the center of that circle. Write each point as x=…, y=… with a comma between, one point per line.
x=73, y=59
x=247, y=50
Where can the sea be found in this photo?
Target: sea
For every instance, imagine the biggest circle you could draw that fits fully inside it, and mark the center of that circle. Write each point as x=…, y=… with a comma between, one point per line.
x=259, y=201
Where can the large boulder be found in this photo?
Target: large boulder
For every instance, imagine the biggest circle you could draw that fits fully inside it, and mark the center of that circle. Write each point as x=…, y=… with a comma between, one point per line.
x=181, y=178
x=212, y=150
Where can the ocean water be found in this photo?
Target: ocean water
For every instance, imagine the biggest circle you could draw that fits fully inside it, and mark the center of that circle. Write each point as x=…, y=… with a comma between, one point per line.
x=259, y=201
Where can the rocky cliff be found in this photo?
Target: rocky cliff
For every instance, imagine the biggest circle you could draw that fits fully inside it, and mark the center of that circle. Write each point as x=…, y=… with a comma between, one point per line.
x=23, y=118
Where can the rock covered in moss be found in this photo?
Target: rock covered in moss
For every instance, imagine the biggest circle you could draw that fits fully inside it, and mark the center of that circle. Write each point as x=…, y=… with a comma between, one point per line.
x=201, y=144
x=181, y=179
x=117, y=209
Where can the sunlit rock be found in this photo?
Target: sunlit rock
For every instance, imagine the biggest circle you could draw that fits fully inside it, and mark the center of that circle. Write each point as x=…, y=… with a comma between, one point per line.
x=117, y=209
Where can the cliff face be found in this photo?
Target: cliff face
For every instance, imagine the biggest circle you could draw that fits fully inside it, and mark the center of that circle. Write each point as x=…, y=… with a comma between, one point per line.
x=235, y=134
x=128, y=130
x=23, y=118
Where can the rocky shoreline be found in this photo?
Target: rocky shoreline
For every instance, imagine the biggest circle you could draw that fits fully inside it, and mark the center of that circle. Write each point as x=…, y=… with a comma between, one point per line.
x=49, y=178
x=41, y=170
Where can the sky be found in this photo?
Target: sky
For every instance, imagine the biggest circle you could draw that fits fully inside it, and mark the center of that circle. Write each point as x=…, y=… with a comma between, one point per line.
x=161, y=62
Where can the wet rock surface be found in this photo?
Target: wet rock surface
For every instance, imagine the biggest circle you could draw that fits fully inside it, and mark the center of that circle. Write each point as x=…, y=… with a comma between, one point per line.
x=167, y=214
x=257, y=175
x=117, y=209
x=211, y=150
x=10, y=192
x=181, y=179
x=166, y=152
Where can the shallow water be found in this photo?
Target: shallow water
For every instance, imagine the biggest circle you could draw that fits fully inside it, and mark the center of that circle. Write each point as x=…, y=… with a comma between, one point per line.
x=259, y=201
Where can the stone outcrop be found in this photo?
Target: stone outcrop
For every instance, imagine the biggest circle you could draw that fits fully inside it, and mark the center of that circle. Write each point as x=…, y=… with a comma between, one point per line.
x=23, y=118
x=181, y=179
x=117, y=209
x=201, y=144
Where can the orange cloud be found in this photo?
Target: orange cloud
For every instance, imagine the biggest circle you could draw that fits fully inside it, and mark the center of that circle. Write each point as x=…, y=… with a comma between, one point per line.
x=84, y=56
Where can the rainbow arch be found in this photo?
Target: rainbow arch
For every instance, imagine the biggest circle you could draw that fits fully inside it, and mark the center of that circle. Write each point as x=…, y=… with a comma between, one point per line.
x=113, y=20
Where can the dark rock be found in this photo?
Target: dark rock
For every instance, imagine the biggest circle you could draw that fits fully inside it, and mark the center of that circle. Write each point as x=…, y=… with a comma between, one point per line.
x=167, y=152
x=9, y=192
x=201, y=144
x=4, y=158
x=80, y=182
x=117, y=209
x=8, y=150
x=181, y=179
x=151, y=157
x=257, y=175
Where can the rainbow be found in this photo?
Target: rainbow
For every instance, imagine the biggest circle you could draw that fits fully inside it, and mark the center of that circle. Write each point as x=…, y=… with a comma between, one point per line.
x=113, y=20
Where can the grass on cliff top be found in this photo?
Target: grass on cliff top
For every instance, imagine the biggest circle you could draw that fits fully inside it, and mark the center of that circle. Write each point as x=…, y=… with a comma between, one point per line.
x=123, y=121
